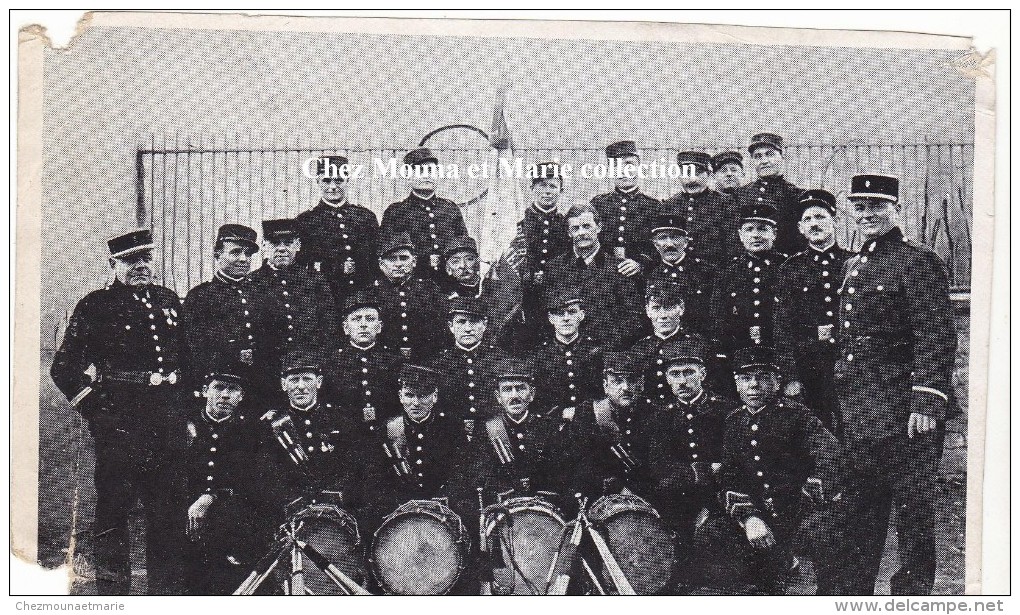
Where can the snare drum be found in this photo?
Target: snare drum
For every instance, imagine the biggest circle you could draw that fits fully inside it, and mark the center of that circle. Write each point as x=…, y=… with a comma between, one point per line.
x=637, y=538
x=528, y=533
x=333, y=532
x=419, y=550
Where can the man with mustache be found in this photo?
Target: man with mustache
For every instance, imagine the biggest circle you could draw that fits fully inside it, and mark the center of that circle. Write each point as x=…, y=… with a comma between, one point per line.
x=567, y=367
x=614, y=429
x=626, y=211
x=612, y=300
x=225, y=314
x=745, y=294
x=709, y=217
x=771, y=188
x=664, y=306
x=410, y=305
x=467, y=363
x=430, y=221
x=361, y=371
x=119, y=364
x=775, y=453
x=685, y=448
x=338, y=237
x=728, y=171
x=224, y=532
x=297, y=303
x=676, y=268
x=805, y=316
x=894, y=379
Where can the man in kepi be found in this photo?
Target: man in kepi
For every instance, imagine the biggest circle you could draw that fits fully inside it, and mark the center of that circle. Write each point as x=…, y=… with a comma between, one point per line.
x=897, y=351
x=225, y=315
x=430, y=220
x=361, y=372
x=771, y=188
x=728, y=171
x=688, y=274
x=411, y=306
x=296, y=303
x=627, y=212
x=774, y=452
x=545, y=232
x=805, y=316
x=338, y=237
x=127, y=336
x=224, y=531
x=709, y=217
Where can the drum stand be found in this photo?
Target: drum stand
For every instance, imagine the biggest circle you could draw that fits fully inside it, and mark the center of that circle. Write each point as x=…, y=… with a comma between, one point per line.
x=288, y=545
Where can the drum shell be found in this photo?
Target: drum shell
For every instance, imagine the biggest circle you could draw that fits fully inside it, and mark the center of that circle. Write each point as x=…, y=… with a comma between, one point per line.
x=536, y=530
x=334, y=533
x=420, y=549
x=643, y=546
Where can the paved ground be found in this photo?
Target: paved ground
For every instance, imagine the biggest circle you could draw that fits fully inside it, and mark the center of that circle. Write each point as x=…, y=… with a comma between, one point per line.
x=67, y=496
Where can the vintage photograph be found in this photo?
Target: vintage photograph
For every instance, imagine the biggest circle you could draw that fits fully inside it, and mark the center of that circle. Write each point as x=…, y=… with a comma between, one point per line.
x=442, y=307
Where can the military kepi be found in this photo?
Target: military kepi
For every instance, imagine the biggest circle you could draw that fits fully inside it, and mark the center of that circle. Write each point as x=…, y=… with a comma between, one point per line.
x=228, y=369
x=238, y=233
x=419, y=157
x=418, y=377
x=763, y=212
x=684, y=350
x=545, y=170
x=817, y=198
x=513, y=369
x=724, y=157
x=333, y=165
x=358, y=300
x=766, y=139
x=754, y=357
x=701, y=160
x=129, y=243
x=621, y=363
x=395, y=241
x=670, y=221
x=621, y=149
x=300, y=362
x=875, y=187
x=279, y=230
x=458, y=244
x=562, y=296
x=465, y=305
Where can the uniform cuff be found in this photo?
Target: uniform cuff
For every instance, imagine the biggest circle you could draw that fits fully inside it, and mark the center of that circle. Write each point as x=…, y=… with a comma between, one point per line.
x=923, y=389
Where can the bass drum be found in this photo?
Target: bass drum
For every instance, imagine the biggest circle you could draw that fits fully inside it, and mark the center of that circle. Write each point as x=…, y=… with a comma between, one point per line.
x=637, y=538
x=527, y=531
x=419, y=550
x=333, y=532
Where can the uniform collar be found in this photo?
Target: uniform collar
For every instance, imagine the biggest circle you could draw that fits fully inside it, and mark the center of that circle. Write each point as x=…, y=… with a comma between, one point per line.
x=683, y=255
x=694, y=402
x=514, y=422
x=361, y=348
x=763, y=409
x=210, y=418
x=668, y=337
x=222, y=277
x=827, y=251
x=577, y=336
x=428, y=420
x=631, y=193
x=421, y=198
x=544, y=212
x=308, y=410
x=469, y=350
x=895, y=234
x=339, y=205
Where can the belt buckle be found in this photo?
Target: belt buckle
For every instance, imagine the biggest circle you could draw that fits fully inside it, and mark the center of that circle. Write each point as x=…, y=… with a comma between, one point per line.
x=155, y=379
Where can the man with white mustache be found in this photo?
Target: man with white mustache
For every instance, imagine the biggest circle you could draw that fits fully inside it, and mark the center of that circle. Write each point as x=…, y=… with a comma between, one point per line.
x=771, y=188
x=806, y=315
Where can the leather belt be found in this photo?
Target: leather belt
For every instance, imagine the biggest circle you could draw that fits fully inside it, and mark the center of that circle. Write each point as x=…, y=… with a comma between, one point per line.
x=149, y=378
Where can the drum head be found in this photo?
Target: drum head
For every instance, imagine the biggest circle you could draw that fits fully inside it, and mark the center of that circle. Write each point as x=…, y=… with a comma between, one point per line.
x=530, y=541
x=643, y=548
x=416, y=555
x=335, y=539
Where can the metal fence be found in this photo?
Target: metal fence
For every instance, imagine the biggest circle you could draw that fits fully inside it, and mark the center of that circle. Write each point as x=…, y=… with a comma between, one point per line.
x=185, y=192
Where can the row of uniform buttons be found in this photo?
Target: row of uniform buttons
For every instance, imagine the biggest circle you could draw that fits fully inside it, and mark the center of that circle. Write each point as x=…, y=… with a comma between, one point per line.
x=854, y=272
x=757, y=458
x=171, y=315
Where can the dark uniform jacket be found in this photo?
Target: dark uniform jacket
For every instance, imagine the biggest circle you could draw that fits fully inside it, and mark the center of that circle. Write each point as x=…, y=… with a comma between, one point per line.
x=600, y=426
x=334, y=457
x=612, y=301
x=128, y=333
x=897, y=337
x=695, y=278
x=468, y=378
x=362, y=383
x=545, y=233
x=652, y=350
x=224, y=317
x=501, y=301
x=332, y=234
x=785, y=197
x=712, y=222
x=768, y=457
x=627, y=222
x=431, y=463
x=413, y=316
x=221, y=459
x=685, y=439
x=566, y=374
x=541, y=458
x=745, y=297
x=298, y=311
x=431, y=223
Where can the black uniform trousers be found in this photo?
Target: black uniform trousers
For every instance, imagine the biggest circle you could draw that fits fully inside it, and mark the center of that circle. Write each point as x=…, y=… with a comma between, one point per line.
x=129, y=467
x=901, y=471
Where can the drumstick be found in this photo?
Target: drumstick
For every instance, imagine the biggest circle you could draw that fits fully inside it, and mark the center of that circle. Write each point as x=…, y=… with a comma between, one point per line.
x=345, y=582
x=623, y=586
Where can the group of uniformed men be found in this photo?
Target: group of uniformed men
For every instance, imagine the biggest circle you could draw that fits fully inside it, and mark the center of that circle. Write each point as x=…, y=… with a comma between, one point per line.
x=670, y=349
